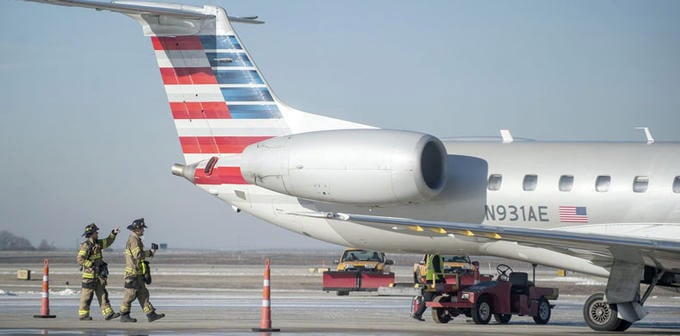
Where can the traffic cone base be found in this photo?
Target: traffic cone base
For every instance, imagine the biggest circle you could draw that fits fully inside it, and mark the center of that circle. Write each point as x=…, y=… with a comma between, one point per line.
x=266, y=329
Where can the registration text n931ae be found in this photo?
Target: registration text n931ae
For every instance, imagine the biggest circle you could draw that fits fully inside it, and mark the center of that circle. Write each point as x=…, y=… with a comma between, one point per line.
x=517, y=213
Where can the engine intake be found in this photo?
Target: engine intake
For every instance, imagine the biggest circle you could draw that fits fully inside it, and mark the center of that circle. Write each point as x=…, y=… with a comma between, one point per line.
x=371, y=167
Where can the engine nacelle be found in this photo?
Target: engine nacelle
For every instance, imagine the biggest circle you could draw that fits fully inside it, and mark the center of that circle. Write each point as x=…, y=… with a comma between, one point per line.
x=370, y=167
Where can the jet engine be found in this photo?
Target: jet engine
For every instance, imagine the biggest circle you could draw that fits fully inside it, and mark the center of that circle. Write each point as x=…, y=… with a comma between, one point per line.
x=370, y=167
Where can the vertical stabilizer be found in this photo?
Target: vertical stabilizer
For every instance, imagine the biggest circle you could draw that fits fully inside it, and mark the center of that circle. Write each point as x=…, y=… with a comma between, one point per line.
x=219, y=100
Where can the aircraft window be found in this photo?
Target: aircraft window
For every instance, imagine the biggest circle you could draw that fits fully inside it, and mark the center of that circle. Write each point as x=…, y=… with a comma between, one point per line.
x=640, y=184
x=566, y=182
x=676, y=185
x=495, y=181
x=530, y=182
x=602, y=183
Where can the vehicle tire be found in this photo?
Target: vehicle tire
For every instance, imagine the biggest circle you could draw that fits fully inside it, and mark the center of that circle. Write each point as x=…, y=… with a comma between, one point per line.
x=543, y=311
x=441, y=315
x=482, y=310
x=601, y=316
x=343, y=293
x=502, y=318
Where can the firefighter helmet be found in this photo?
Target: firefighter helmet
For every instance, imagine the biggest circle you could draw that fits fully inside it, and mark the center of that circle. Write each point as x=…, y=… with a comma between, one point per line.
x=137, y=224
x=90, y=229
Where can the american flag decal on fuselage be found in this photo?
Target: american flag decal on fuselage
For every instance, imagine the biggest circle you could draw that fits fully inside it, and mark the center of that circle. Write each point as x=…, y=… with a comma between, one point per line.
x=573, y=214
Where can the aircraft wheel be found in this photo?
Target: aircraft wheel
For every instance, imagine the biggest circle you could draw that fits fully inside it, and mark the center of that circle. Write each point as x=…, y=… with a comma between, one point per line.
x=481, y=312
x=543, y=313
x=441, y=315
x=624, y=325
x=502, y=318
x=601, y=316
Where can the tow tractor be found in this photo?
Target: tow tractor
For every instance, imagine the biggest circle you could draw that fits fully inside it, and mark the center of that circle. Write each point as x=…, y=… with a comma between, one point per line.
x=359, y=270
x=510, y=294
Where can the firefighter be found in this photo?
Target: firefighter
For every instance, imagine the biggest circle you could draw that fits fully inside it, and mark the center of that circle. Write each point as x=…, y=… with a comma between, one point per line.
x=135, y=270
x=433, y=276
x=95, y=272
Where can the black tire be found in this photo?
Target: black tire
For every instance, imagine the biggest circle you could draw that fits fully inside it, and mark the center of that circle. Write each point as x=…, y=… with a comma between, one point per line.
x=502, y=318
x=601, y=316
x=482, y=310
x=624, y=325
x=441, y=315
x=543, y=312
x=343, y=293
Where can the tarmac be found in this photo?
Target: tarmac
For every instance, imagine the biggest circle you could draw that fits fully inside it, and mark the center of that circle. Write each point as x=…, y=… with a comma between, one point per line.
x=209, y=299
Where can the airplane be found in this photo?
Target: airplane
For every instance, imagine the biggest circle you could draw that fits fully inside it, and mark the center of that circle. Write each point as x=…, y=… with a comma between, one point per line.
x=604, y=209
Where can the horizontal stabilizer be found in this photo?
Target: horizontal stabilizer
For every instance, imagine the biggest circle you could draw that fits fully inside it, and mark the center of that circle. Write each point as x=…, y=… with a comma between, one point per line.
x=148, y=8
x=135, y=7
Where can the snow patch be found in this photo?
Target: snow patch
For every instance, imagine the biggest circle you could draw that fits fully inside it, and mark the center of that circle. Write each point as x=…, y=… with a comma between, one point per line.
x=578, y=281
x=6, y=293
x=65, y=292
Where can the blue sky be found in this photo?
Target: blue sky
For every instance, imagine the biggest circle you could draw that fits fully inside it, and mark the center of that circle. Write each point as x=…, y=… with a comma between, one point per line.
x=86, y=133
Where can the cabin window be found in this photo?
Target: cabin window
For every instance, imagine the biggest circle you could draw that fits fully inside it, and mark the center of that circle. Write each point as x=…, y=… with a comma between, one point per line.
x=566, y=182
x=602, y=183
x=495, y=181
x=530, y=182
x=640, y=184
x=676, y=185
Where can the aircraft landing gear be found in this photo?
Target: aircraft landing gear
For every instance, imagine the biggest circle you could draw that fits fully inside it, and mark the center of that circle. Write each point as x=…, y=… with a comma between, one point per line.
x=602, y=316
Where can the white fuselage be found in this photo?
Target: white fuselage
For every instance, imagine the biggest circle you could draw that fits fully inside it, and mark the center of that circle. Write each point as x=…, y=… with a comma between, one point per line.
x=618, y=210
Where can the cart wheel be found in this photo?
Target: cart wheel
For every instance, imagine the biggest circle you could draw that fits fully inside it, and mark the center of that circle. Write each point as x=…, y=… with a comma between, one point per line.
x=481, y=312
x=343, y=293
x=502, y=318
x=543, y=312
x=441, y=315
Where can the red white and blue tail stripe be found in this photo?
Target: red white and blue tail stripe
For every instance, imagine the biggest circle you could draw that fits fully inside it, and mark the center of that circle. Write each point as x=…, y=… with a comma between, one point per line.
x=218, y=98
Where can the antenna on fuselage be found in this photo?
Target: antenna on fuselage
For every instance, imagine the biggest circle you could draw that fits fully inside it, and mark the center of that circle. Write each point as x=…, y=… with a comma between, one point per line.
x=506, y=136
x=648, y=134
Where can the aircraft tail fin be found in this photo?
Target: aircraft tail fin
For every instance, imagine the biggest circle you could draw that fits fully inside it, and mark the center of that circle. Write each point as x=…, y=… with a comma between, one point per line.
x=219, y=100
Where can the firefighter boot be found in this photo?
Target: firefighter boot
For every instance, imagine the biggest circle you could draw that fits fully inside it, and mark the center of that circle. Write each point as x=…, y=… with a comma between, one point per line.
x=152, y=316
x=85, y=318
x=111, y=316
x=125, y=317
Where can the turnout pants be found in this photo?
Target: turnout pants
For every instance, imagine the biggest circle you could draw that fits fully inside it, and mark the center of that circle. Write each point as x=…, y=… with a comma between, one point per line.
x=135, y=289
x=90, y=288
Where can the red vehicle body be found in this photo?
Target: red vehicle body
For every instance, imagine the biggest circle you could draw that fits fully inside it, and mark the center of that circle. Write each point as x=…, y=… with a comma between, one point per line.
x=512, y=294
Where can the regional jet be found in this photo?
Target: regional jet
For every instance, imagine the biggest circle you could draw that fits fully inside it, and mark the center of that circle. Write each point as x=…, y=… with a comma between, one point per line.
x=613, y=212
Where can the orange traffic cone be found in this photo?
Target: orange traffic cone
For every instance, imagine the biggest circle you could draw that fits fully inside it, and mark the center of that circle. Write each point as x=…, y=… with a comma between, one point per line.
x=45, y=307
x=266, y=319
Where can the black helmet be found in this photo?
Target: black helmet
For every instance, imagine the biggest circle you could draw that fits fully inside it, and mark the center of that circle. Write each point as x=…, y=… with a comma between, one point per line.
x=137, y=224
x=90, y=229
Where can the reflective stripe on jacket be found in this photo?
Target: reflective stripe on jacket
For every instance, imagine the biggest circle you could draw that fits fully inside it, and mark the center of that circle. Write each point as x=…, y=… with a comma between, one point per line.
x=90, y=255
x=134, y=255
